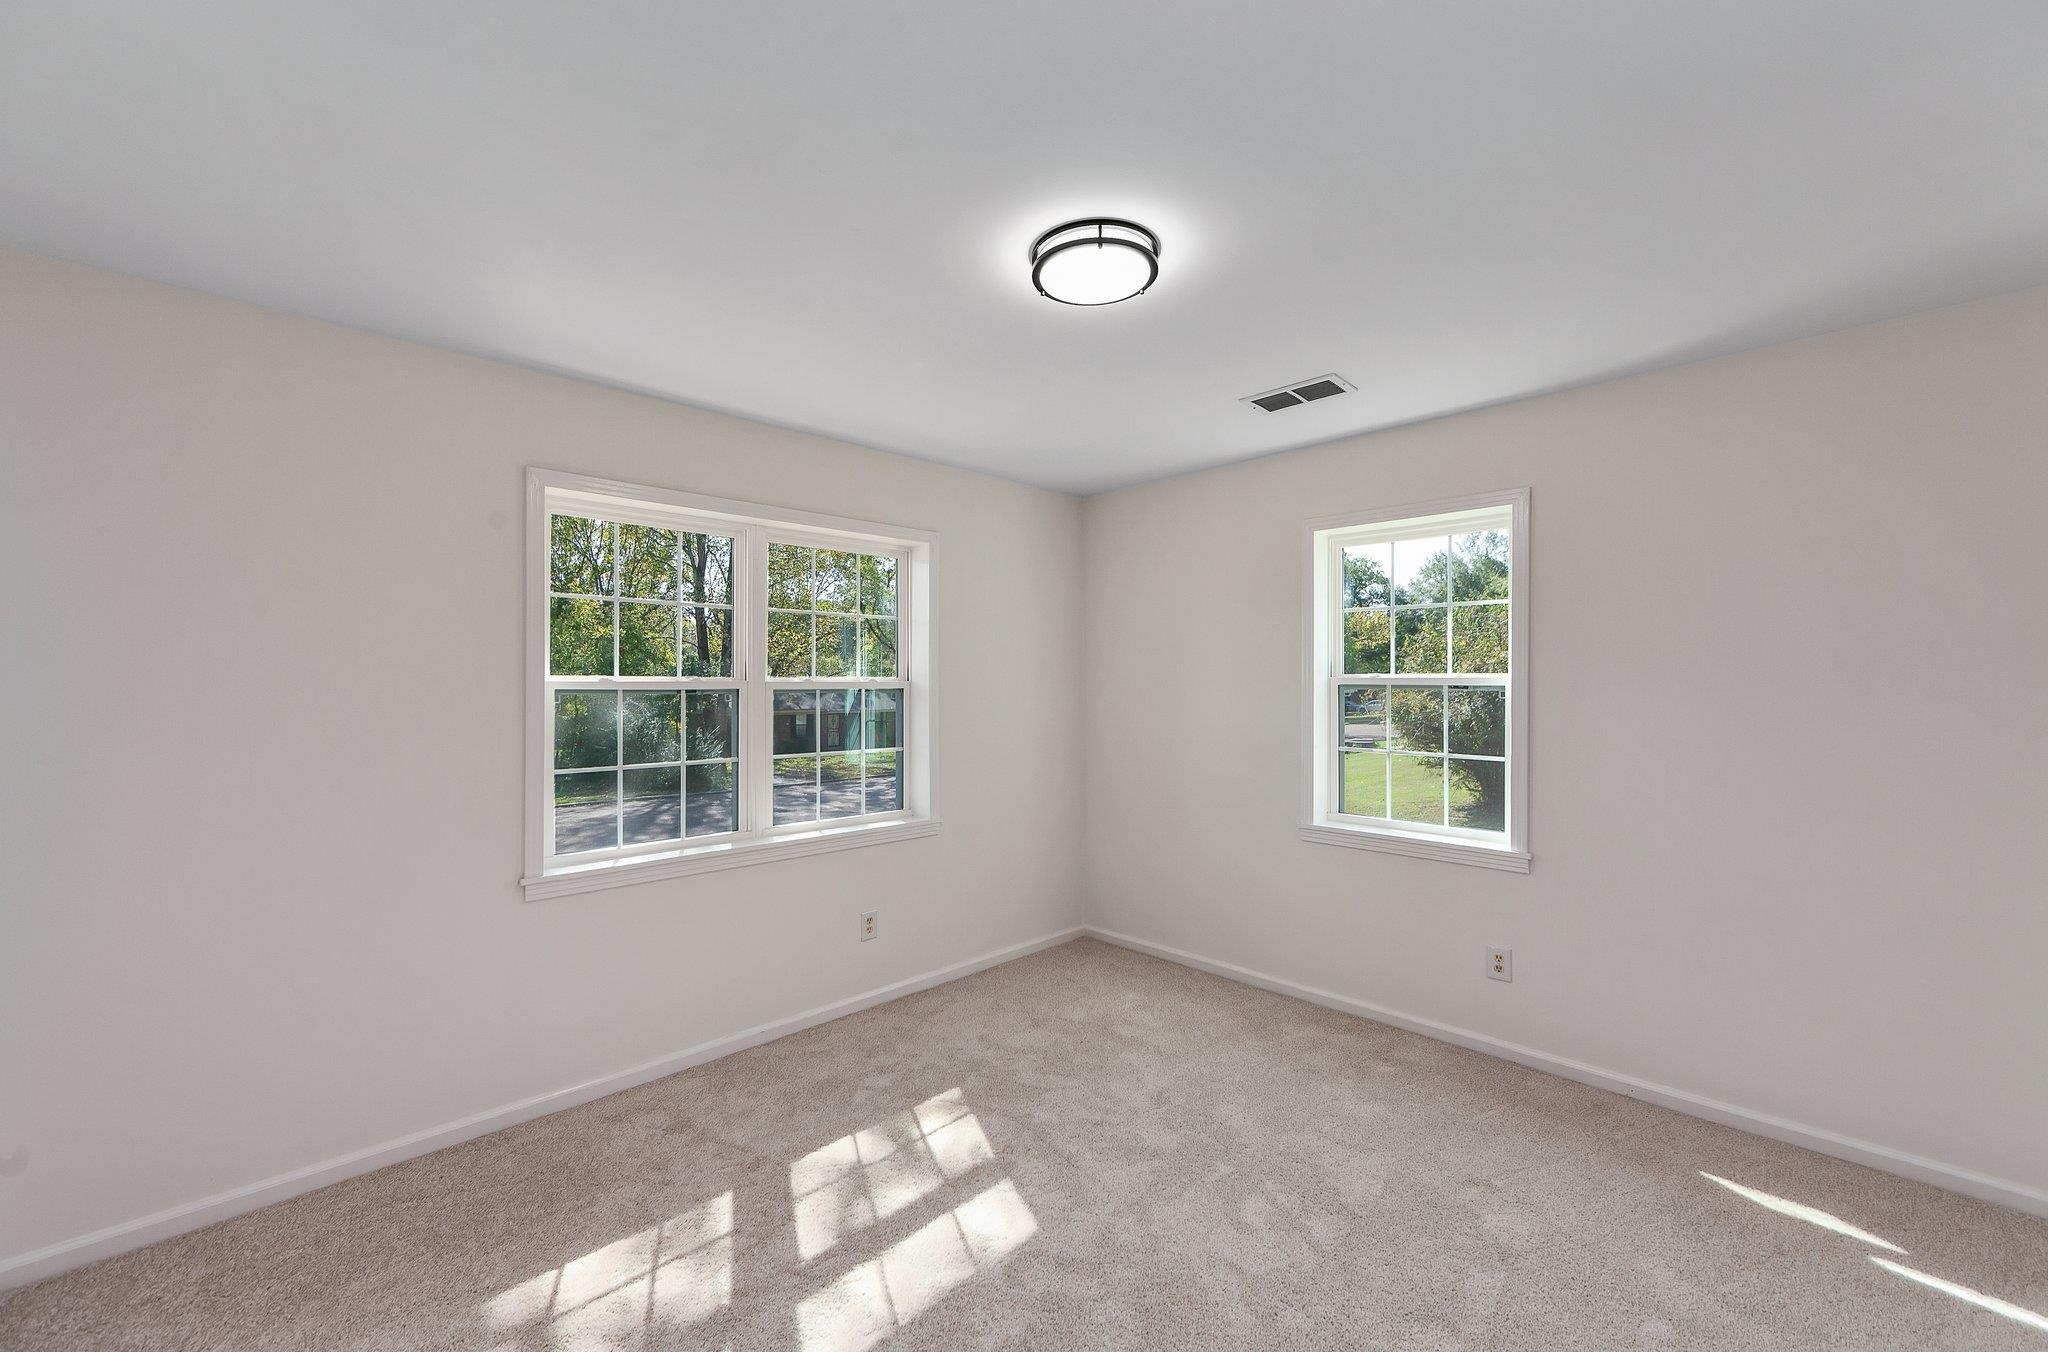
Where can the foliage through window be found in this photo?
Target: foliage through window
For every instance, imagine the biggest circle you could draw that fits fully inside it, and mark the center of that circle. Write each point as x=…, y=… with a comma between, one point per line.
x=1416, y=674
x=708, y=683
x=831, y=612
x=627, y=600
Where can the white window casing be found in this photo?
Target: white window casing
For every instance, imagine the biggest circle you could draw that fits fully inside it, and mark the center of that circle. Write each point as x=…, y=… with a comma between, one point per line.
x=1328, y=737
x=754, y=836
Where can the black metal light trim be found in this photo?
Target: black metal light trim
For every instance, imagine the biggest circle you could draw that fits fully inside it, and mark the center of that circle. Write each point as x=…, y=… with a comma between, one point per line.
x=1150, y=251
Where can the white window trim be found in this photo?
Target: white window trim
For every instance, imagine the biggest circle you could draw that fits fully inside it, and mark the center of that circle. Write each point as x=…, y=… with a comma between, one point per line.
x=558, y=491
x=1320, y=823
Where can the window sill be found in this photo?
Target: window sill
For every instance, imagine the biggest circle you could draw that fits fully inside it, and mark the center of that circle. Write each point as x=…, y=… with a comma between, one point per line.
x=711, y=858
x=1418, y=846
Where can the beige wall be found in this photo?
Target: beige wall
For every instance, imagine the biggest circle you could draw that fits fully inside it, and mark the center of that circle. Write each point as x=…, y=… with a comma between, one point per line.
x=1788, y=776
x=262, y=663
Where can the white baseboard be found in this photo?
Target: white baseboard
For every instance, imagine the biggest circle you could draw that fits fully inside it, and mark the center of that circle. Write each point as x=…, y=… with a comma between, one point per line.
x=2002, y=1191
x=39, y=1264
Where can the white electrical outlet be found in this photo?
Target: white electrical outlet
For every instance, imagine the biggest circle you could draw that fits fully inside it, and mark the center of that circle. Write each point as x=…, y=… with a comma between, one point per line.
x=867, y=926
x=1500, y=964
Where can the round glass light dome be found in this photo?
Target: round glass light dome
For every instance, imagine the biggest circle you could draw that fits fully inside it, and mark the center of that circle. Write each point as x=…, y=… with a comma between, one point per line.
x=1099, y=261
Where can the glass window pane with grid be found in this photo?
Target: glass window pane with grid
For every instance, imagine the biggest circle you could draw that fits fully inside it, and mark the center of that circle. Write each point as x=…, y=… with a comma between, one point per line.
x=631, y=600
x=838, y=752
x=1425, y=606
x=838, y=749
x=649, y=609
x=831, y=613
x=1420, y=674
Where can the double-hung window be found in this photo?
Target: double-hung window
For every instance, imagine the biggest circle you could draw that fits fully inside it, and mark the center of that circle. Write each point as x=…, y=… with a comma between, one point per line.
x=1416, y=710
x=835, y=689
x=716, y=683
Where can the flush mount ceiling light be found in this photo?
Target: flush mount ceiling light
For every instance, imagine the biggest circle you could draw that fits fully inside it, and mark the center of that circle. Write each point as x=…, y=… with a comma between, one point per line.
x=1099, y=261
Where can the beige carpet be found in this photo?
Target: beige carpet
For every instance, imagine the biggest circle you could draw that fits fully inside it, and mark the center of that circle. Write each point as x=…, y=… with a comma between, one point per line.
x=1087, y=1148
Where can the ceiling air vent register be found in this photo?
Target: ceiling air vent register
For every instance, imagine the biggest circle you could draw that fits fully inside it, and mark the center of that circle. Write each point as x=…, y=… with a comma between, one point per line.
x=1300, y=392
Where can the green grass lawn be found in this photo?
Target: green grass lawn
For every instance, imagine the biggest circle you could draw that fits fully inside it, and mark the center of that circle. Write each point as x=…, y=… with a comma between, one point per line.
x=1417, y=787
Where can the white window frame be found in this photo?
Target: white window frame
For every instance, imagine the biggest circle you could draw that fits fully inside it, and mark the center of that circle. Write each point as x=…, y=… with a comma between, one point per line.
x=1324, y=541
x=751, y=526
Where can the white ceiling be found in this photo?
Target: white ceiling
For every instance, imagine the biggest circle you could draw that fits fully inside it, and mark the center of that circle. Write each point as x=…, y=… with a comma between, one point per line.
x=818, y=213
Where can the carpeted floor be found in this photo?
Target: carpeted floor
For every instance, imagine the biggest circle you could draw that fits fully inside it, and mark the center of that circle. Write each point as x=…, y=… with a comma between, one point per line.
x=1088, y=1149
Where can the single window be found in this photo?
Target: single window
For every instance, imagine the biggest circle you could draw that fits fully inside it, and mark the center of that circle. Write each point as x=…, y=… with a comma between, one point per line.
x=1414, y=702
x=711, y=680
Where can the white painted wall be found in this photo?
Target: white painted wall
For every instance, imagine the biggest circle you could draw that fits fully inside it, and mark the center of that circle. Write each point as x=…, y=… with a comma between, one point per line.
x=1789, y=783
x=248, y=559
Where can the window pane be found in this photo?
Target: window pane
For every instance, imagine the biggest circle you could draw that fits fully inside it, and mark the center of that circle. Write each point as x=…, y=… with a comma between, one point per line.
x=654, y=727
x=838, y=645
x=655, y=606
x=839, y=786
x=712, y=713
x=653, y=802
x=789, y=576
x=1366, y=646
x=796, y=789
x=839, y=720
x=1364, y=716
x=707, y=641
x=1419, y=640
x=877, y=647
x=836, y=582
x=579, y=556
x=1479, y=721
x=884, y=781
x=1479, y=794
x=1416, y=791
x=1418, y=718
x=1368, y=571
x=586, y=811
x=586, y=728
x=1479, y=638
x=789, y=644
x=1479, y=570
x=1363, y=792
x=1419, y=735
x=579, y=637
x=647, y=562
x=877, y=585
x=707, y=568
x=1422, y=570
x=647, y=639
x=883, y=727
x=712, y=802
x=796, y=721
